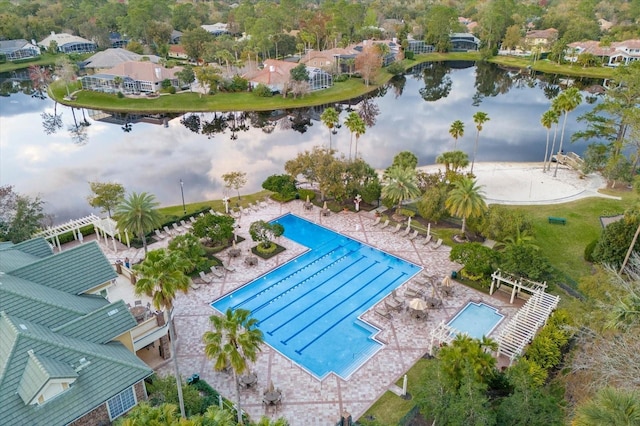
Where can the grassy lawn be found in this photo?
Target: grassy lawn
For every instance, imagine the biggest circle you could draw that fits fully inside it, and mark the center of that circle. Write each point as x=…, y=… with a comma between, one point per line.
x=218, y=205
x=43, y=60
x=390, y=408
x=553, y=68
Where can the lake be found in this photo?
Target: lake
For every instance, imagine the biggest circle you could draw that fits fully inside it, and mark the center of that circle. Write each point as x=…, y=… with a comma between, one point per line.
x=153, y=154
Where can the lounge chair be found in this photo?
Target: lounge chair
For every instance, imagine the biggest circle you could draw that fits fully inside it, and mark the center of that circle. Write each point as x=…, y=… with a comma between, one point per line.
x=427, y=240
x=377, y=221
x=192, y=219
x=167, y=230
x=228, y=267
x=393, y=304
x=177, y=227
x=438, y=244
x=382, y=312
x=254, y=207
x=413, y=236
x=396, y=229
x=411, y=291
x=159, y=234
x=185, y=225
x=212, y=211
x=406, y=231
x=204, y=277
x=216, y=273
x=394, y=296
x=194, y=286
x=385, y=224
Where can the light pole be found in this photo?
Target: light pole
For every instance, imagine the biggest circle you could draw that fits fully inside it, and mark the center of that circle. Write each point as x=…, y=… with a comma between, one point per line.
x=184, y=209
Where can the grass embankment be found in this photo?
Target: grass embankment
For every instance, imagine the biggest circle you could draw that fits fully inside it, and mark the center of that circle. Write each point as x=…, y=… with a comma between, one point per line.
x=218, y=205
x=45, y=59
x=549, y=67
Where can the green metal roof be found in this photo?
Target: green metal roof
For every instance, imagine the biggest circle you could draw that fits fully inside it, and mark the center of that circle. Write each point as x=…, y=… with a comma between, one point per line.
x=104, y=370
x=38, y=247
x=14, y=256
x=42, y=304
x=102, y=325
x=15, y=259
x=75, y=271
x=39, y=370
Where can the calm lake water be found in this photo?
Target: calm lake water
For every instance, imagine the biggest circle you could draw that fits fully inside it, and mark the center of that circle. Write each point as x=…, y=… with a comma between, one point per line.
x=414, y=114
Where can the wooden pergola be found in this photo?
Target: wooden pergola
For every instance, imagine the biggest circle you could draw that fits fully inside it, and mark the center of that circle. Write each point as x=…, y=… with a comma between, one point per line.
x=498, y=278
x=104, y=227
x=521, y=329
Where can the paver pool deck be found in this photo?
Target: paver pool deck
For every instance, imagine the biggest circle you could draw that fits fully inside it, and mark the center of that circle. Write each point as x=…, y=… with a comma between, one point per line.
x=307, y=400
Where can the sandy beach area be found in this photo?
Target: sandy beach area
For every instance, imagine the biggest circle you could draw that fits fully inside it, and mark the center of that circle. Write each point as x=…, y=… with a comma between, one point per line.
x=526, y=183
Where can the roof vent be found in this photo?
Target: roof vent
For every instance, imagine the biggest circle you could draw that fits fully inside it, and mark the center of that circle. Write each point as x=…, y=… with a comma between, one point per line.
x=22, y=326
x=82, y=363
x=272, y=68
x=112, y=312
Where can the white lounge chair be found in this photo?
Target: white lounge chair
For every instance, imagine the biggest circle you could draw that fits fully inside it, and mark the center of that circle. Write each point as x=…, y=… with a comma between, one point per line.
x=438, y=244
x=177, y=227
x=204, y=277
x=192, y=219
x=382, y=312
x=385, y=224
x=228, y=267
x=194, y=286
x=406, y=231
x=216, y=273
x=377, y=221
x=167, y=230
x=413, y=236
x=427, y=240
x=159, y=234
x=396, y=229
x=185, y=225
x=212, y=211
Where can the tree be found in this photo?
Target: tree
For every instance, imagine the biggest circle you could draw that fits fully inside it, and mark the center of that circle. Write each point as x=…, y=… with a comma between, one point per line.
x=66, y=70
x=331, y=119
x=209, y=78
x=502, y=222
x=186, y=75
x=235, y=180
x=190, y=248
x=478, y=260
x=400, y=184
x=263, y=232
x=162, y=390
x=356, y=126
x=161, y=276
x=216, y=228
x=405, y=160
x=439, y=23
x=368, y=63
x=234, y=341
x=526, y=261
x=566, y=102
x=456, y=131
x=466, y=200
x=611, y=407
x=282, y=184
x=549, y=118
x=105, y=195
x=453, y=161
x=479, y=118
x=512, y=37
x=20, y=215
x=299, y=73
x=317, y=166
x=138, y=214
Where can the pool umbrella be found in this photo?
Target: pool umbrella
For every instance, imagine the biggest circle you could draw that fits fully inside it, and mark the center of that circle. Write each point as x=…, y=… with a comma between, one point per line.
x=324, y=206
x=233, y=243
x=271, y=388
x=307, y=198
x=417, y=304
x=446, y=281
x=409, y=222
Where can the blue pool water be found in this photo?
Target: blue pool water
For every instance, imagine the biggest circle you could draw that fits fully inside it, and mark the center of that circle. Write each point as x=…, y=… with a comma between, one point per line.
x=476, y=319
x=308, y=308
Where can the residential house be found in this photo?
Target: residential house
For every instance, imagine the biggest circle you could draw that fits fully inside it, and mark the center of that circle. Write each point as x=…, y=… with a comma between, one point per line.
x=419, y=46
x=216, y=29
x=137, y=77
x=390, y=57
x=176, y=36
x=612, y=55
x=468, y=23
x=117, y=40
x=68, y=43
x=109, y=58
x=176, y=51
x=18, y=49
x=542, y=40
x=67, y=352
x=463, y=42
x=276, y=75
x=330, y=59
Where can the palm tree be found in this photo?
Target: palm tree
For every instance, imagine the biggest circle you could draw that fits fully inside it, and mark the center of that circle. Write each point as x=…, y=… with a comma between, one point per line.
x=548, y=119
x=331, y=119
x=400, y=184
x=453, y=160
x=266, y=421
x=138, y=214
x=479, y=118
x=566, y=102
x=356, y=126
x=161, y=275
x=456, y=131
x=465, y=200
x=234, y=341
x=218, y=416
x=610, y=407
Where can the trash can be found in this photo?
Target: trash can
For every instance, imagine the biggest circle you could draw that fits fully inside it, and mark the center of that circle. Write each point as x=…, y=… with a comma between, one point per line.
x=297, y=195
x=195, y=378
x=454, y=274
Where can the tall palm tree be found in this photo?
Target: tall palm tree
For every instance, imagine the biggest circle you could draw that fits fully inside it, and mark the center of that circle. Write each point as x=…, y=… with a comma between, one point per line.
x=465, y=200
x=234, y=341
x=139, y=215
x=548, y=119
x=161, y=276
x=610, y=407
x=356, y=126
x=479, y=118
x=400, y=184
x=566, y=102
x=331, y=119
x=456, y=131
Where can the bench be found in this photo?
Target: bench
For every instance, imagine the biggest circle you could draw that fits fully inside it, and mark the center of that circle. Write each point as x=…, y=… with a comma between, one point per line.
x=557, y=220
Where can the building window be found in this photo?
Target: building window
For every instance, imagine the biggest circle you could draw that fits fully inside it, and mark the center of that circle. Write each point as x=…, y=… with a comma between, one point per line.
x=121, y=403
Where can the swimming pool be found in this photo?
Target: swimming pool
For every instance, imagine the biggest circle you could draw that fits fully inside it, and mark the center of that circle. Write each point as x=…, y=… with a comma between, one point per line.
x=309, y=308
x=476, y=319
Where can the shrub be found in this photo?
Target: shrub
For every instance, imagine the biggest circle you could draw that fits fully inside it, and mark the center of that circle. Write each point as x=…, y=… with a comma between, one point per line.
x=262, y=91
x=340, y=78
x=396, y=68
x=120, y=95
x=409, y=55
x=172, y=90
x=588, y=251
x=282, y=184
x=304, y=193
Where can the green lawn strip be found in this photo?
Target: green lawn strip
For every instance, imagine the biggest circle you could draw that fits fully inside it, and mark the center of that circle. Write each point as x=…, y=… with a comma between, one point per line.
x=218, y=205
x=553, y=68
x=42, y=60
x=390, y=408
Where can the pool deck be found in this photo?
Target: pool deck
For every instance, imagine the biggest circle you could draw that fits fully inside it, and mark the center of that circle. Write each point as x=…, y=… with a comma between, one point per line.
x=306, y=400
